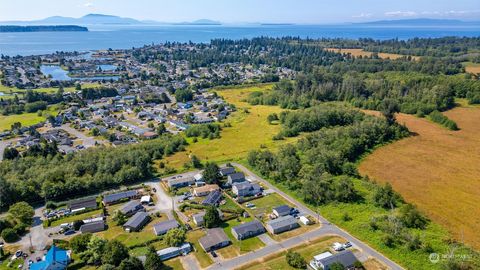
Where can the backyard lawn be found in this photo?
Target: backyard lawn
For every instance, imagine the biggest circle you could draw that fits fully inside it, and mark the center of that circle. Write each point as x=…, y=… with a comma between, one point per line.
x=202, y=257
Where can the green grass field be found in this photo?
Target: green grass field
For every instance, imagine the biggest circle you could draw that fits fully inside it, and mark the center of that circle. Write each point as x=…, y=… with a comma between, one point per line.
x=249, y=130
x=202, y=257
x=26, y=119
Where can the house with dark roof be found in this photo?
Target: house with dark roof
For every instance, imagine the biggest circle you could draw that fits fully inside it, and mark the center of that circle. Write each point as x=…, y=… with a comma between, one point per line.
x=245, y=188
x=93, y=227
x=116, y=197
x=136, y=222
x=213, y=198
x=236, y=178
x=131, y=208
x=282, y=210
x=55, y=259
x=247, y=230
x=345, y=258
x=225, y=171
x=215, y=239
x=84, y=203
x=164, y=226
x=282, y=224
x=180, y=182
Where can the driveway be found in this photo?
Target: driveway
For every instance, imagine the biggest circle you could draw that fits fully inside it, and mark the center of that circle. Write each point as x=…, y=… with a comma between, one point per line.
x=327, y=228
x=87, y=141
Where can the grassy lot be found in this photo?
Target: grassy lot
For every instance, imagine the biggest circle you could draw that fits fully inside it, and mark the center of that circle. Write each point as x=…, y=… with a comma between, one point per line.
x=361, y=214
x=238, y=247
x=202, y=257
x=72, y=218
x=249, y=130
x=173, y=264
x=13, y=265
x=26, y=119
x=11, y=91
x=438, y=160
x=307, y=250
x=131, y=239
x=472, y=67
x=361, y=52
x=264, y=205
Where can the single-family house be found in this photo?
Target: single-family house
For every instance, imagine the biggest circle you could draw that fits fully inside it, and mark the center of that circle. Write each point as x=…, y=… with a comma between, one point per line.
x=282, y=210
x=116, y=197
x=84, y=203
x=180, y=182
x=205, y=190
x=93, y=227
x=198, y=218
x=215, y=239
x=282, y=224
x=55, y=259
x=245, y=188
x=131, y=208
x=164, y=226
x=225, y=171
x=136, y=222
x=236, y=178
x=213, y=198
x=171, y=252
x=247, y=230
x=324, y=261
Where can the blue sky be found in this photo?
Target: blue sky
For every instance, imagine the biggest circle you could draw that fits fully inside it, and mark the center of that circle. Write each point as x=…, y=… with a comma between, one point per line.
x=237, y=11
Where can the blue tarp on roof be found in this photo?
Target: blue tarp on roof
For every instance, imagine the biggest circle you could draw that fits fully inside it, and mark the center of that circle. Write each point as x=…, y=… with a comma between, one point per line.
x=54, y=255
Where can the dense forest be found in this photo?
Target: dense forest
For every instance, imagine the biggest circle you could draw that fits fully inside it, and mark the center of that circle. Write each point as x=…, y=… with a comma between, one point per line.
x=35, y=178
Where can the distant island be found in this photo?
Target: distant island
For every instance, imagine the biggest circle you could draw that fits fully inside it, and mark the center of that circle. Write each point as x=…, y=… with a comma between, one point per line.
x=43, y=28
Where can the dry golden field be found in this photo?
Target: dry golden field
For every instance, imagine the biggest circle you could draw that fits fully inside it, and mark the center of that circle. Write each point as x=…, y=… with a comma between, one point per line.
x=361, y=52
x=437, y=169
x=472, y=68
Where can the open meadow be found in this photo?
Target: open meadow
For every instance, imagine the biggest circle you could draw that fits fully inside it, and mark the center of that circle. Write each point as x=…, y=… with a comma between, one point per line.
x=363, y=53
x=249, y=130
x=437, y=169
x=472, y=67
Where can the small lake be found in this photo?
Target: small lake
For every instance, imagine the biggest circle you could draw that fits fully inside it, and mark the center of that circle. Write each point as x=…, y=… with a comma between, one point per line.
x=107, y=67
x=58, y=74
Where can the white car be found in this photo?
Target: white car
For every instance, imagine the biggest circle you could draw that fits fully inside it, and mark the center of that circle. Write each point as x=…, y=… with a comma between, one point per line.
x=337, y=246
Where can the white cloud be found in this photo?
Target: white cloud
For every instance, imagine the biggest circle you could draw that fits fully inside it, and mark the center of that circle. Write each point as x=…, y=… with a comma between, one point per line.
x=89, y=4
x=400, y=13
x=363, y=15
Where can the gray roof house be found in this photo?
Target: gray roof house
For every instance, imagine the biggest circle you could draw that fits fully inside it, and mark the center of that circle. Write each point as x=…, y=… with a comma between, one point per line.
x=346, y=258
x=164, y=226
x=282, y=210
x=171, y=252
x=236, y=178
x=136, y=222
x=93, y=227
x=180, y=182
x=246, y=188
x=131, y=208
x=282, y=224
x=215, y=239
x=113, y=198
x=247, y=230
x=225, y=171
x=87, y=203
x=198, y=218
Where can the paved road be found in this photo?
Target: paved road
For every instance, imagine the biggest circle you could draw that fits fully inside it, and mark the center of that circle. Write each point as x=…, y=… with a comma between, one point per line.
x=327, y=228
x=87, y=141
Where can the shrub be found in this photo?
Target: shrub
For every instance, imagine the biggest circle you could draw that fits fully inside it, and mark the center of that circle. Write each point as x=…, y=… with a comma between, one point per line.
x=441, y=119
x=295, y=260
x=9, y=235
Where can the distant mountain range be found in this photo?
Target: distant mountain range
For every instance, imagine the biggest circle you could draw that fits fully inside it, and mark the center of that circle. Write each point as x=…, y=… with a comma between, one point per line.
x=101, y=19
x=420, y=21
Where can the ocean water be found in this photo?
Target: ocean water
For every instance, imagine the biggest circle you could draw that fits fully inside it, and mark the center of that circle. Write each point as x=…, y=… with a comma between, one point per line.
x=124, y=37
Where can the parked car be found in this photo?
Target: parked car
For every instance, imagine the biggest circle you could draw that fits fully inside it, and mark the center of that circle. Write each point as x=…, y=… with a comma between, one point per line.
x=154, y=189
x=38, y=259
x=214, y=254
x=337, y=246
x=69, y=232
x=18, y=253
x=347, y=245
